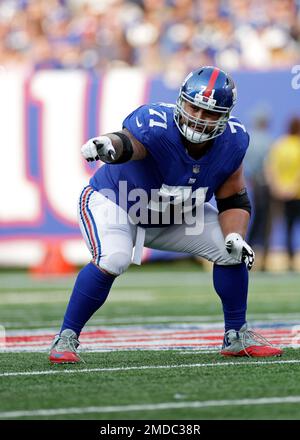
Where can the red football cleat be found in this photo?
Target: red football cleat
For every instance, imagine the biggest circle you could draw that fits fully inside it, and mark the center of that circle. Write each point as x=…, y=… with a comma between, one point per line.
x=247, y=343
x=64, y=348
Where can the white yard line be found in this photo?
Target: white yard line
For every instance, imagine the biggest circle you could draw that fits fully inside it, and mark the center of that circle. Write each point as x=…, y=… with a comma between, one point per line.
x=212, y=329
x=62, y=296
x=39, y=349
x=149, y=407
x=144, y=367
x=159, y=279
x=155, y=279
x=276, y=317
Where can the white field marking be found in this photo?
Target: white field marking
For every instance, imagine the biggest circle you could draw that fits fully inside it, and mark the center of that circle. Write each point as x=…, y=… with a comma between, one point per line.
x=139, y=333
x=130, y=344
x=127, y=320
x=132, y=288
x=211, y=328
x=276, y=317
x=173, y=336
x=133, y=277
x=152, y=279
x=145, y=367
x=155, y=279
x=150, y=407
x=47, y=297
x=179, y=350
x=188, y=349
x=143, y=341
x=206, y=350
x=281, y=329
x=170, y=344
x=191, y=351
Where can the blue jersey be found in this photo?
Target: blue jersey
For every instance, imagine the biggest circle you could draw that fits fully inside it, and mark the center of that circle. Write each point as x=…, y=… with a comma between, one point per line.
x=168, y=168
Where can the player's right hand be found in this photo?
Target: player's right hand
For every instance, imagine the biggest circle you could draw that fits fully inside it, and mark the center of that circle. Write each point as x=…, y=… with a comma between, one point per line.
x=97, y=148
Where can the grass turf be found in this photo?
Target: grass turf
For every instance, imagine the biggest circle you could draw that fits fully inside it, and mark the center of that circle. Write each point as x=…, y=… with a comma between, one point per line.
x=181, y=292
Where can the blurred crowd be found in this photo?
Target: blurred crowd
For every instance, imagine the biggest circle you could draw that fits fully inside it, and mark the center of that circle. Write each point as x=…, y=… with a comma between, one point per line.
x=170, y=36
x=272, y=169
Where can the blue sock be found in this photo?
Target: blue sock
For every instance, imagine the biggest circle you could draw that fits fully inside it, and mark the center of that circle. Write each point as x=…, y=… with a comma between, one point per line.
x=231, y=284
x=91, y=289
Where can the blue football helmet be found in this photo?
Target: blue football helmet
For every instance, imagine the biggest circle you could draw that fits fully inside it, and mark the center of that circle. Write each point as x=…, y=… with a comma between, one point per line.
x=212, y=90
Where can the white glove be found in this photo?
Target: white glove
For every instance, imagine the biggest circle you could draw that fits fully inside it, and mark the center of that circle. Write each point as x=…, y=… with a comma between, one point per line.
x=240, y=250
x=99, y=148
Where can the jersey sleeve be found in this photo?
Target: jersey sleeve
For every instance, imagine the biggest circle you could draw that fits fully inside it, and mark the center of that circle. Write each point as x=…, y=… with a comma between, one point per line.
x=137, y=123
x=149, y=125
x=240, y=139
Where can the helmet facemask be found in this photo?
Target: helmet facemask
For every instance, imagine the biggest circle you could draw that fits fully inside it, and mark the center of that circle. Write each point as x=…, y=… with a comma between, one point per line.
x=196, y=129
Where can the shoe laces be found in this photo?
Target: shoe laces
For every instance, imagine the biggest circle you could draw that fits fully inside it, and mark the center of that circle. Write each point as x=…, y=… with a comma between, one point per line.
x=255, y=337
x=67, y=343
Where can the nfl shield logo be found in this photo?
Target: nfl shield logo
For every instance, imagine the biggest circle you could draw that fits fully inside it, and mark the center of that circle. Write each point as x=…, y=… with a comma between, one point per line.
x=196, y=169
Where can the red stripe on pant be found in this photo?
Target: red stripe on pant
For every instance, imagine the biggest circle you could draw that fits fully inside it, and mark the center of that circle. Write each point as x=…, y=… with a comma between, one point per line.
x=87, y=221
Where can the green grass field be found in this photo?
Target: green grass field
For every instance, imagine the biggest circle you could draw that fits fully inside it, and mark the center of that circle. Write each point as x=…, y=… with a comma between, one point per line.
x=148, y=383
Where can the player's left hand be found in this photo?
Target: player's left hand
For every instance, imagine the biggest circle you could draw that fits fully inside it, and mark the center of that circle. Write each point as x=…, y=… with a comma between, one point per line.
x=239, y=249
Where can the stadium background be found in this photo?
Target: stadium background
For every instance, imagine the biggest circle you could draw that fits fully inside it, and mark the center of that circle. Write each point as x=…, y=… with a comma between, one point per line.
x=73, y=69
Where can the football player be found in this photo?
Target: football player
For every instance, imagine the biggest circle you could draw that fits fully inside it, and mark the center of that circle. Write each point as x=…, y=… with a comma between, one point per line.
x=169, y=154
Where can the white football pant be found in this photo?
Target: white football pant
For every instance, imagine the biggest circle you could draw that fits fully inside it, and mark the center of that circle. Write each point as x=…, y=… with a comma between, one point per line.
x=111, y=237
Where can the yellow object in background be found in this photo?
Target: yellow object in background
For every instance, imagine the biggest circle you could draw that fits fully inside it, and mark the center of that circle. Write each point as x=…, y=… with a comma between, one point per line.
x=284, y=162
